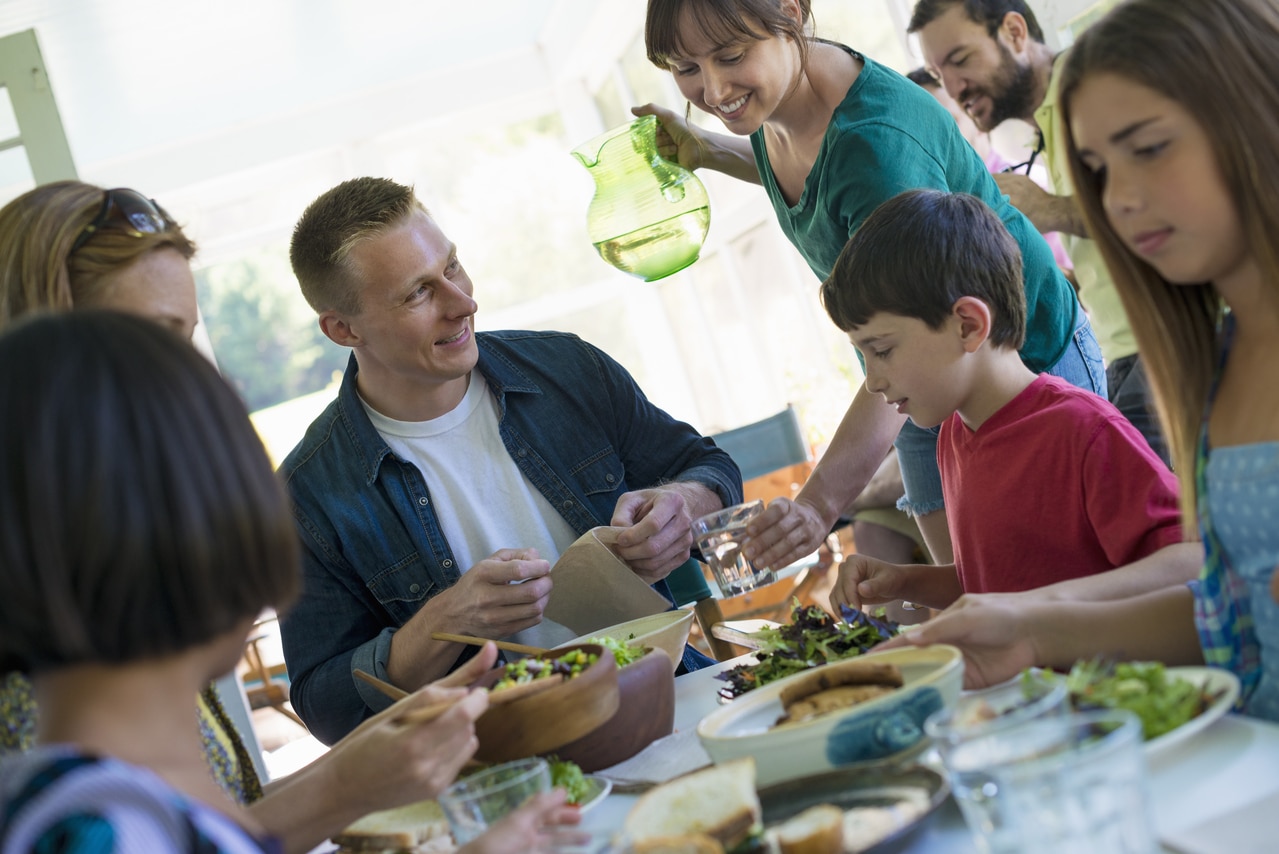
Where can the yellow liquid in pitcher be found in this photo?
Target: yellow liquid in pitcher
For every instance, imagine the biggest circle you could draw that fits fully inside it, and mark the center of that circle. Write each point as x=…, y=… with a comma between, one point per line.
x=658, y=250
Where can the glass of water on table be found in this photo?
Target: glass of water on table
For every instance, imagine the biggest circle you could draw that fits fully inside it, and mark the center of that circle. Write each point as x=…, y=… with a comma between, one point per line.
x=720, y=537
x=1063, y=784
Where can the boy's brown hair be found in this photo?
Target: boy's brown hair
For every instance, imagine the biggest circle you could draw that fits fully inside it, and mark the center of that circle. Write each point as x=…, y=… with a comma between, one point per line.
x=918, y=253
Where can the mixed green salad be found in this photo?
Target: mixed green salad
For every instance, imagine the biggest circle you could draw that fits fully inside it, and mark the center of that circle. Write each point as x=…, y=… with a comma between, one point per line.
x=624, y=653
x=570, y=664
x=812, y=637
x=1161, y=701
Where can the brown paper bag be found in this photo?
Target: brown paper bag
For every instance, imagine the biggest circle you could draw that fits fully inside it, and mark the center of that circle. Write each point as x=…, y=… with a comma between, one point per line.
x=592, y=588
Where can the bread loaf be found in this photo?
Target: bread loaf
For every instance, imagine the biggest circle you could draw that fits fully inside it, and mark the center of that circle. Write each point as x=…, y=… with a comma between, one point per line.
x=689, y=843
x=395, y=829
x=817, y=830
x=719, y=802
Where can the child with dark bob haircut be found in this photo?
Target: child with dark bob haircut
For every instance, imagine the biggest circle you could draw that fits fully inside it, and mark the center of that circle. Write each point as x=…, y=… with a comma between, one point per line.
x=1043, y=482
x=142, y=530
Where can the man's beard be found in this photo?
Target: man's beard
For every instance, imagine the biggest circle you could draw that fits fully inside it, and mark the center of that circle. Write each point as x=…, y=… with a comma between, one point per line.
x=1011, y=93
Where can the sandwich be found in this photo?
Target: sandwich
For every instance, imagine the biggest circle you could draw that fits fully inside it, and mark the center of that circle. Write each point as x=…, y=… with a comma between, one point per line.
x=418, y=828
x=717, y=802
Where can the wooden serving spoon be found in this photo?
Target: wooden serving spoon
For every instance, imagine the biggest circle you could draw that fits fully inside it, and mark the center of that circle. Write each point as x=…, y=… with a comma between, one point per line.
x=474, y=641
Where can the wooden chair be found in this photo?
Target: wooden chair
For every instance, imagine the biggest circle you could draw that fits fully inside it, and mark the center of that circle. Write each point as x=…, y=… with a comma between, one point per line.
x=261, y=686
x=774, y=457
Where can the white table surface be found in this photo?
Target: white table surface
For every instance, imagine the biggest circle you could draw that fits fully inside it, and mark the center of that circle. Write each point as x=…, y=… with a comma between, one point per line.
x=1230, y=765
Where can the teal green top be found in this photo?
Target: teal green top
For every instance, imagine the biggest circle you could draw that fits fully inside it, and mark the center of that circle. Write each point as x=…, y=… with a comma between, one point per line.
x=888, y=136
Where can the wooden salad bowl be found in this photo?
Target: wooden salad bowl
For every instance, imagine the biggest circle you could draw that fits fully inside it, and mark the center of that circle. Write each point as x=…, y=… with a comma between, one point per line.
x=543, y=721
x=645, y=713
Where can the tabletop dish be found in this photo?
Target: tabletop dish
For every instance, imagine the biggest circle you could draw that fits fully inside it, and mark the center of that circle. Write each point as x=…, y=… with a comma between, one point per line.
x=888, y=726
x=645, y=712
x=546, y=721
x=597, y=789
x=667, y=631
x=897, y=801
x=1216, y=681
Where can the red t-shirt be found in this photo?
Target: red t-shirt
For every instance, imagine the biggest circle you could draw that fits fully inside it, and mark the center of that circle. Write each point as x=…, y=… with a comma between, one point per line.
x=1055, y=485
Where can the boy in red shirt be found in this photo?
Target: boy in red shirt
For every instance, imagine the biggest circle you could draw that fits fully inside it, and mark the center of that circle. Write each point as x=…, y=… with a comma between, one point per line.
x=1044, y=482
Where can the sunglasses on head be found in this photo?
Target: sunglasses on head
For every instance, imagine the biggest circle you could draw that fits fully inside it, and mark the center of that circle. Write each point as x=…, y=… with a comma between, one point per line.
x=128, y=211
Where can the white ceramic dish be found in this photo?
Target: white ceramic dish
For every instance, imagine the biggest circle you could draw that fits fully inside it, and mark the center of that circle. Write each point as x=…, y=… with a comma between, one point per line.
x=597, y=789
x=870, y=731
x=1217, y=681
x=667, y=631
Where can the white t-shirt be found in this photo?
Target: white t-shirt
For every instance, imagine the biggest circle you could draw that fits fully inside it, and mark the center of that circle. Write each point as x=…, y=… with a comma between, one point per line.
x=482, y=499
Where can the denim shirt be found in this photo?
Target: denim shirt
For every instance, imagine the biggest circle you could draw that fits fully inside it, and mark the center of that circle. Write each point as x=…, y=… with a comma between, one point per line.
x=576, y=424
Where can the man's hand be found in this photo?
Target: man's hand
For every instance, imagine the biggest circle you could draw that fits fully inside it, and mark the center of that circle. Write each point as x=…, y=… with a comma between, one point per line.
x=992, y=634
x=865, y=581
x=785, y=532
x=499, y=596
x=1044, y=210
x=658, y=532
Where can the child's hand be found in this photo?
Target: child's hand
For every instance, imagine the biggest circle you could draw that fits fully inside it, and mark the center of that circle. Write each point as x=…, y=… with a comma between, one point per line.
x=866, y=581
x=994, y=634
x=540, y=825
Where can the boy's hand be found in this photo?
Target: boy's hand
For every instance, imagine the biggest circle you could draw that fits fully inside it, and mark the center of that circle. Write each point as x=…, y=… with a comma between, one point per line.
x=867, y=581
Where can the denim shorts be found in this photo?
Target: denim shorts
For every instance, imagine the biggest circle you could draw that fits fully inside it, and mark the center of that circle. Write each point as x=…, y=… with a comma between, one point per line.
x=1080, y=365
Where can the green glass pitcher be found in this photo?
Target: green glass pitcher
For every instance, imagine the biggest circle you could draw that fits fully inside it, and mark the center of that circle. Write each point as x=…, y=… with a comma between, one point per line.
x=649, y=216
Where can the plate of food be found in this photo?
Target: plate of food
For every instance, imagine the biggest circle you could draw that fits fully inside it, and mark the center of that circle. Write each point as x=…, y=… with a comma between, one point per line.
x=811, y=638
x=862, y=810
x=595, y=790
x=869, y=809
x=1173, y=703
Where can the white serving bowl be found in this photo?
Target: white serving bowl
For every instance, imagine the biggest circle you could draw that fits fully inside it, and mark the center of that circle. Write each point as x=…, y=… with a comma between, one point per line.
x=880, y=728
x=667, y=631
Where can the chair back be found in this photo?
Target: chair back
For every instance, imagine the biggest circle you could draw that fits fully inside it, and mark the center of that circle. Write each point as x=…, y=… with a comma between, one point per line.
x=759, y=448
x=767, y=445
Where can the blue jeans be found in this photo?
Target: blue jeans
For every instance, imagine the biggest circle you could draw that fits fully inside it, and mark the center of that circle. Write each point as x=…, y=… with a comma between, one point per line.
x=1080, y=365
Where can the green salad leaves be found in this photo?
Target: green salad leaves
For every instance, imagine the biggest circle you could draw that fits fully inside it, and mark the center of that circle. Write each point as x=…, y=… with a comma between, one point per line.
x=1162, y=702
x=811, y=638
x=569, y=777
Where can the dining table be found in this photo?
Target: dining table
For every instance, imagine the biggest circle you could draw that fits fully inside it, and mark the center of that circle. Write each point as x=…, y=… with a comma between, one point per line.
x=1214, y=791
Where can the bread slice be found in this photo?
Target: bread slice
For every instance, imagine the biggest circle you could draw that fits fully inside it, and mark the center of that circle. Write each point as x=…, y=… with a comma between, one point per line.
x=817, y=830
x=719, y=801
x=395, y=829
x=855, y=671
x=691, y=843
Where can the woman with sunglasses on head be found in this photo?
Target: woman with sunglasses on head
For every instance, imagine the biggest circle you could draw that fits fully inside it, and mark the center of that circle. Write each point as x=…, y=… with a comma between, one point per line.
x=68, y=246
x=1176, y=167
x=831, y=135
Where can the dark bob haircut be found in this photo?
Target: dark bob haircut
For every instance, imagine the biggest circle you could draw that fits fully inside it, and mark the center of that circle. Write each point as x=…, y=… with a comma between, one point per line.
x=139, y=515
x=918, y=253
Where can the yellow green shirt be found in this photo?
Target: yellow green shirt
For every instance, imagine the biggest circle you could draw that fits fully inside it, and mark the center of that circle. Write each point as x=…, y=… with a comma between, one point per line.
x=1096, y=289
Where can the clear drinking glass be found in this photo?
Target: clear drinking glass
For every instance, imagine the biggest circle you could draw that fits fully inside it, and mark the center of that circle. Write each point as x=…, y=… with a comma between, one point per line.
x=720, y=537
x=1023, y=698
x=1074, y=784
x=473, y=803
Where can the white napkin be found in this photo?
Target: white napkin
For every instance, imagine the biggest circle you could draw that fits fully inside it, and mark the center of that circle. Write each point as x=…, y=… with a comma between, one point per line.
x=665, y=759
x=1247, y=830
